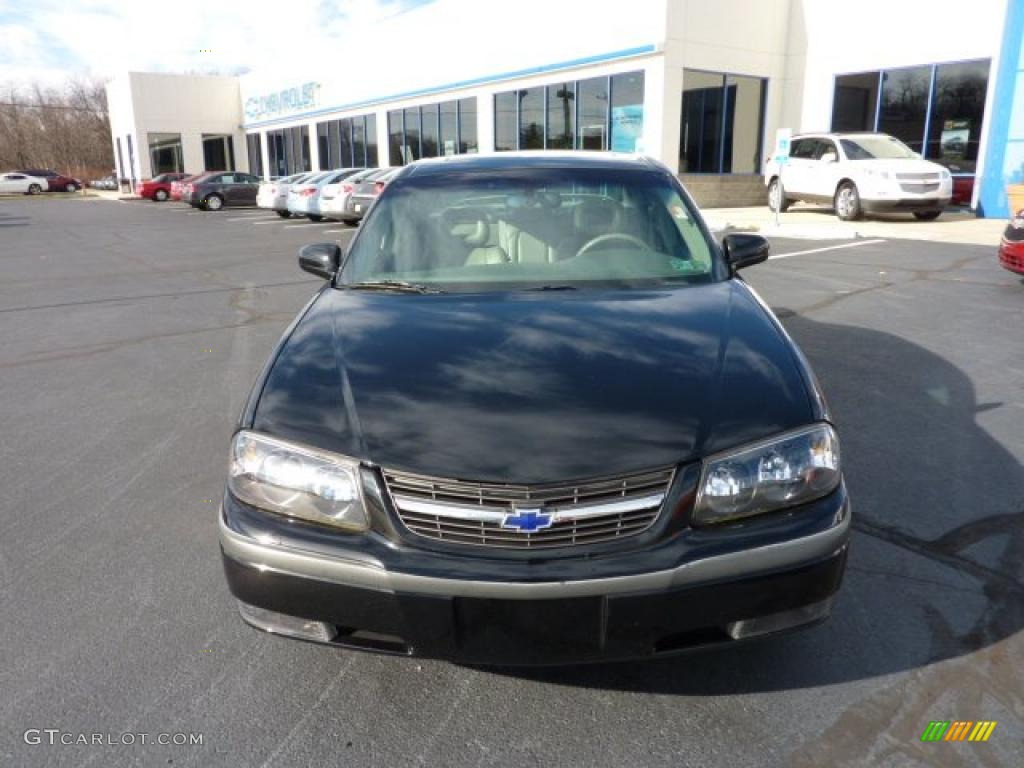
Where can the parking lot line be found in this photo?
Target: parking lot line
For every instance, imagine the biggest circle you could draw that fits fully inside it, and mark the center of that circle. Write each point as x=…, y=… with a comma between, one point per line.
x=267, y=221
x=827, y=248
x=253, y=218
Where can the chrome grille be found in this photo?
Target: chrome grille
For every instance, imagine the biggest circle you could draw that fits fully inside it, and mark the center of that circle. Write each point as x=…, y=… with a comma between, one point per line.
x=919, y=177
x=919, y=188
x=588, y=512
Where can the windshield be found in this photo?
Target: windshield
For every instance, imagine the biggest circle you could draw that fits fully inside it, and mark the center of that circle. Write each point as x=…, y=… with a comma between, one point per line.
x=531, y=228
x=876, y=148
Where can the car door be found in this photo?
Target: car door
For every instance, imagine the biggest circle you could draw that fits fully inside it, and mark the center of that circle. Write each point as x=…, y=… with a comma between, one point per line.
x=16, y=182
x=795, y=174
x=248, y=187
x=824, y=174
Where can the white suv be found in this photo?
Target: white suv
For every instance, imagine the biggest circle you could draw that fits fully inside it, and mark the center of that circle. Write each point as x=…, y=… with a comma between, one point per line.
x=859, y=173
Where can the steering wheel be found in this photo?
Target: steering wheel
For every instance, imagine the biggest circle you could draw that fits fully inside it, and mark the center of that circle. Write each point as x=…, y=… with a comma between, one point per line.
x=593, y=242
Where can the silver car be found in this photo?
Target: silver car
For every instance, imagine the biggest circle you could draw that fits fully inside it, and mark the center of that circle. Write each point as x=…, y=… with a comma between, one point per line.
x=273, y=194
x=304, y=198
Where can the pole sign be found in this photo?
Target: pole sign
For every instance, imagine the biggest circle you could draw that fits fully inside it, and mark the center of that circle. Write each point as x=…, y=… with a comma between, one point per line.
x=783, y=136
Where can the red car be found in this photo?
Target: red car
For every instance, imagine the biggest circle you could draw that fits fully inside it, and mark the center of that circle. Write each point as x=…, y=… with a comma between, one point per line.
x=158, y=189
x=55, y=182
x=1011, y=248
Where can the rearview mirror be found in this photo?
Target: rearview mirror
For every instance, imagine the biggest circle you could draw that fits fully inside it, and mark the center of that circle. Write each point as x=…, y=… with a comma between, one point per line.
x=743, y=250
x=320, y=259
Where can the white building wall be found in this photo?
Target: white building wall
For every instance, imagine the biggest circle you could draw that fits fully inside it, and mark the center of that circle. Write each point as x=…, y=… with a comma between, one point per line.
x=189, y=105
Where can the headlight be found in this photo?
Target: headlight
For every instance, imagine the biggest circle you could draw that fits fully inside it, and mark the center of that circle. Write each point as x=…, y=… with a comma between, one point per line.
x=790, y=469
x=297, y=481
x=945, y=174
x=874, y=172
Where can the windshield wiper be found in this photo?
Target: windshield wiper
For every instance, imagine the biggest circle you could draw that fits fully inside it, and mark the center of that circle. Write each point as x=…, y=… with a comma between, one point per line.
x=392, y=285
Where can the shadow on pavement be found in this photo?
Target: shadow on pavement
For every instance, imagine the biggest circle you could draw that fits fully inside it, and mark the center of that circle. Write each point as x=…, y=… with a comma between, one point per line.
x=937, y=557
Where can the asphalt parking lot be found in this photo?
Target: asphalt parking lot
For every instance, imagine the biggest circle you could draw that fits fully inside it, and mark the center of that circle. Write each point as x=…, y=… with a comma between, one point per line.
x=130, y=335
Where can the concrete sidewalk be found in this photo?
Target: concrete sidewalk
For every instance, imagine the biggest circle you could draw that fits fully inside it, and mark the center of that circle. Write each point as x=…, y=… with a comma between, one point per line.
x=820, y=223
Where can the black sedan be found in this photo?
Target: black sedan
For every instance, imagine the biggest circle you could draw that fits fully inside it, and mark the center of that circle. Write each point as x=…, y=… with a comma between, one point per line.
x=214, y=191
x=534, y=416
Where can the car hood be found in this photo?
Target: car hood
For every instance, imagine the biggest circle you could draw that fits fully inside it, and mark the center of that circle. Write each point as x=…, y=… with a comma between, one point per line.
x=908, y=165
x=534, y=387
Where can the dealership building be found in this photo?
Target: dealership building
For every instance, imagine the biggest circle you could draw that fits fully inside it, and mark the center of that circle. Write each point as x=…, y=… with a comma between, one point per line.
x=701, y=85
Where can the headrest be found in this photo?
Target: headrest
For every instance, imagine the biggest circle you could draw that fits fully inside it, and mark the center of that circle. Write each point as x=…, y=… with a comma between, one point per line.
x=468, y=225
x=597, y=217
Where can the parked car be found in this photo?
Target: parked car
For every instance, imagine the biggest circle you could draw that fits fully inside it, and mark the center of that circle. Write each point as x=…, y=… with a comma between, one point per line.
x=366, y=192
x=215, y=190
x=528, y=423
x=178, y=187
x=55, y=182
x=21, y=183
x=304, y=197
x=107, y=183
x=158, y=189
x=1011, y=247
x=334, y=197
x=273, y=194
x=859, y=173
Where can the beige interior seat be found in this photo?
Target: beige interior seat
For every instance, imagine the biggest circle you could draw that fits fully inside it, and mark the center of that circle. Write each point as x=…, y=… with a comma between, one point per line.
x=483, y=249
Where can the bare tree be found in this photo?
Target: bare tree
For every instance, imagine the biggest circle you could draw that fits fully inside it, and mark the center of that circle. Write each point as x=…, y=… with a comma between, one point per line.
x=65, y=128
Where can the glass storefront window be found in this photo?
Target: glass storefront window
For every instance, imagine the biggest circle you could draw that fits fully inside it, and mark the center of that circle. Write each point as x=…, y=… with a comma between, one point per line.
x=700, y=137
x=855, y=101
x=744, y=124
x=954, y=124
x=165, y=153
x=722, y=123
x=429, y=130
x=506, y=125
x=358, y=142
x=254, y=146
x=627, y=113
x=467, y=125
x=531, y=118
x=323, y=145
x=449, y=135
x=395, y=137
x=411, y=150
x=288, y=151
x=218, y=152
x=370, y=161
x=904, y=104
x=561, y=115
x=592, y=97
x=345, y=153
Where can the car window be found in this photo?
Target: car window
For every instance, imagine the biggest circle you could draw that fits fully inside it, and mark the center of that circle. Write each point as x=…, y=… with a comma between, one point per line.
x=548, y=227
x=822, y=146
x=803, y=149
x=876, y=147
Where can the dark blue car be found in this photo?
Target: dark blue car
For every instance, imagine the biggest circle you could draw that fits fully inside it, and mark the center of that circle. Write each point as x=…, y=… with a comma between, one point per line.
x=535, y=416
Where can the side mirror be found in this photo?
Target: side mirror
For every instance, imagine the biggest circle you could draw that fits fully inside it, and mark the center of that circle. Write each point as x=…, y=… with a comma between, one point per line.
x=829, y=157
x=320, y=259
x=744, y=250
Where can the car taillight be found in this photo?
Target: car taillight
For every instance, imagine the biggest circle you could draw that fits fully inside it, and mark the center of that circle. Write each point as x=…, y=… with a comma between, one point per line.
x=273, y=190
x=378, y=187
x=307, y=192
x=347, y=188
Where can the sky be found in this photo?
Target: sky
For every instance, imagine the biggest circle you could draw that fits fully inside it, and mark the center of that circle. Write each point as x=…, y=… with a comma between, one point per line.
x=48, y=41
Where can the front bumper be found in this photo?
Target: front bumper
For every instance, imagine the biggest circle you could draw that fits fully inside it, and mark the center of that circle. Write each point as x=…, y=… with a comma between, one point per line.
x=473, y=609
x=1011, y=256
x=904, y=204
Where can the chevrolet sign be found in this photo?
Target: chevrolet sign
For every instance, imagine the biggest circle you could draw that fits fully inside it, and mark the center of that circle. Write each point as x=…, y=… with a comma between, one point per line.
x=280, y=102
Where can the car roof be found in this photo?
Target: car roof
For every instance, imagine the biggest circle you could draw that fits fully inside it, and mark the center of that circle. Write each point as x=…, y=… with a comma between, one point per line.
x=609, y=161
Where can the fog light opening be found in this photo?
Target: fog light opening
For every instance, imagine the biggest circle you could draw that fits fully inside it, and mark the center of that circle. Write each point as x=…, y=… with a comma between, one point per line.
x=283, y=624
x=778, y=622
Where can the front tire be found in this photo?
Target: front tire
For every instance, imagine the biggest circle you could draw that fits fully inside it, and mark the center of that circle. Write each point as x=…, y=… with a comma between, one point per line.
x=213, y=203
x=847, y=202
x=160, y=195
x=314, y=217
x=34, y=189
x=285, y=214
x=776, y=201
x=927, y=215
